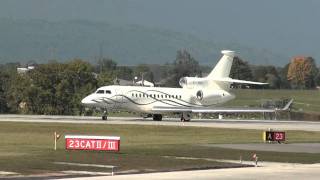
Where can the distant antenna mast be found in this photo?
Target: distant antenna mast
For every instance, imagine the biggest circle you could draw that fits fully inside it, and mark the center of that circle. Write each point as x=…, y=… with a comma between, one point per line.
x=100, y=51
x=100, y=55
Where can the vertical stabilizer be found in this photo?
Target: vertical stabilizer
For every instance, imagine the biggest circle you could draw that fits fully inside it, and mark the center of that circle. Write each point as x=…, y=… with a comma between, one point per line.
x=223, y=67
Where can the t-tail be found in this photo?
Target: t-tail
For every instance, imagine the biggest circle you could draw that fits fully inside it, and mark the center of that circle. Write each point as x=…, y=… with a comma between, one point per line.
x=218, y=77
x=223, y=67
x=220, y=73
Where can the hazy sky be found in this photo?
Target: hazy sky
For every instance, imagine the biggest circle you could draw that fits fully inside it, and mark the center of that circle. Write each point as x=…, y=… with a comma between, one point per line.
x=287, y=26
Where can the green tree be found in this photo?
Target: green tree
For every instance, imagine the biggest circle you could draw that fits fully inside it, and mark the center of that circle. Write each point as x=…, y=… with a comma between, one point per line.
x=268, y=74
x=284, y=83
x=317, y=78
x=184, y=65
x=240, y=70
x=16, y=94
x=7, y=73
x=53, y=88
x=4, y=78
x=124, y=72
x=83, y=82
x=105, y=79
x=143, y=71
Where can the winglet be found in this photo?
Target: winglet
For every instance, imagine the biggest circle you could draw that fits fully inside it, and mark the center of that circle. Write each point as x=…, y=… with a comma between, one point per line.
x=286, y=107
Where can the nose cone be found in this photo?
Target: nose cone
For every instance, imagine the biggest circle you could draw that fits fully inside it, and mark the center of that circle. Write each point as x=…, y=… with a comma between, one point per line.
x=231, y=96
x=87, y=101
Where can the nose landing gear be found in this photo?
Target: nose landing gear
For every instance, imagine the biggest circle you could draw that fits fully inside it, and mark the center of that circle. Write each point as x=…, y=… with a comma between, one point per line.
x=105, y=115
x=157, y=117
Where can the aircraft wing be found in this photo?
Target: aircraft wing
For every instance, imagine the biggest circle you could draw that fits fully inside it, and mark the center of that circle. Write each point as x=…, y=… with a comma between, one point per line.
x=219, y=109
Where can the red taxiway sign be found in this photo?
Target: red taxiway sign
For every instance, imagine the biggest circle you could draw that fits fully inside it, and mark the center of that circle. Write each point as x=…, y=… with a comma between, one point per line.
x=95, y=143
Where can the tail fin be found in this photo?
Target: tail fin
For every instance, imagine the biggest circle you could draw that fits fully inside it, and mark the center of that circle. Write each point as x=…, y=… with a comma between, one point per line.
x=223, y=67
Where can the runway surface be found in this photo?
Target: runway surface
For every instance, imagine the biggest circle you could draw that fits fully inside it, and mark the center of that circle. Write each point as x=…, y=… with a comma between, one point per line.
x=267, y=170
x=224, y=123
x=293, y=147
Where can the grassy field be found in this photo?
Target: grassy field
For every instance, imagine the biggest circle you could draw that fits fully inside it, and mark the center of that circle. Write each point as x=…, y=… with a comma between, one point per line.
x=304, y=100
x=27, y=148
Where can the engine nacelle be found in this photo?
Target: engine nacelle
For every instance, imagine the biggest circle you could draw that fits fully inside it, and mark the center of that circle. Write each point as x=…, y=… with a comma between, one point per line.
x=207, y=96
x=191, y=82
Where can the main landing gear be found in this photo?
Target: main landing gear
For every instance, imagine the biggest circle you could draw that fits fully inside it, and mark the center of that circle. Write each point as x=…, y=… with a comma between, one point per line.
x=185, y=117
x=157, y=117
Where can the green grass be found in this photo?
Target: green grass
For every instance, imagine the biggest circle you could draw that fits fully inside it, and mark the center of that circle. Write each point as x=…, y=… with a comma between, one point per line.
x=28, y=147
x=305, y=100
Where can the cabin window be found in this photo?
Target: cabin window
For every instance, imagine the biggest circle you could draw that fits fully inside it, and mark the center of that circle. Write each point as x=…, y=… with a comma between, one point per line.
x=180, y=96
x=108, y=92
x=176, y=96
x=132, y=94
x=166, y=96
x=161, y=96
x=100, y=92
x=139, y=95
x=154, y=96
x=172, y=96
x=158, y=96
x=136, y=95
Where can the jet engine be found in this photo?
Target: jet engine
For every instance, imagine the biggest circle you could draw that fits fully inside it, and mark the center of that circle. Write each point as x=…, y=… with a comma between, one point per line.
x=191, y=82
x=205, y=95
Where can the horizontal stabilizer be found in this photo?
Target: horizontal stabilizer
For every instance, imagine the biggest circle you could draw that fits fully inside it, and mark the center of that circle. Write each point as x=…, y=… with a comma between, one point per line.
x=230, y=80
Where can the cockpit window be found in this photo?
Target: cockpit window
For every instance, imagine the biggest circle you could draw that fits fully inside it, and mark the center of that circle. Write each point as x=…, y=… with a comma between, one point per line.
x=100, y=92
x=108, y=92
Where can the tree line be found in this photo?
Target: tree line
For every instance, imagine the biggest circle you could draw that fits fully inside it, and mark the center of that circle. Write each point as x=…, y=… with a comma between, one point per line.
x=57, y=88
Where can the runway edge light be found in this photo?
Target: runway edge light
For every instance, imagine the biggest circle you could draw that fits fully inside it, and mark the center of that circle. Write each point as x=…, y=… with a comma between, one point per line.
x=56, y=136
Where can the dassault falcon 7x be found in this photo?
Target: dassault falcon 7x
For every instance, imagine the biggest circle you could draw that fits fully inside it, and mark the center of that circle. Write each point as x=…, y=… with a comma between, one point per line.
x=196, y=95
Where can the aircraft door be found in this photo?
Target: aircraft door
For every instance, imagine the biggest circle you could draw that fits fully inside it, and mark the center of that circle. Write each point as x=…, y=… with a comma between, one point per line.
x=118, y=98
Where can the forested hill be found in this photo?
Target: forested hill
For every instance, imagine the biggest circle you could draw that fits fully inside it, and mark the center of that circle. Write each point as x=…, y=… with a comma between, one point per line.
x=40, y=41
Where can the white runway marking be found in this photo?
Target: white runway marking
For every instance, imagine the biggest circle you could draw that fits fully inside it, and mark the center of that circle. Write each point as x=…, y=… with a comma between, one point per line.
x=87, y=173
x=85, y=165
x=5, y=173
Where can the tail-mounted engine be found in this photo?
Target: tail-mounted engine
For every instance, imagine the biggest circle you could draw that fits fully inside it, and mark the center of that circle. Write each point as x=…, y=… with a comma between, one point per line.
x=191, y=82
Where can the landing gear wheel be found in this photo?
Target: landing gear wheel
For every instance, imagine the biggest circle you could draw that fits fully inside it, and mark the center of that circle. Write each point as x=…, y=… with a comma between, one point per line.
x=184, y=120
x=105, y=115
x=157, y=117
x=185, y=117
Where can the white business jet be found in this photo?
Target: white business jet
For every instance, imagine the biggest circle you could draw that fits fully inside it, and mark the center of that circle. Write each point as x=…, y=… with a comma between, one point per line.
x=196, y=95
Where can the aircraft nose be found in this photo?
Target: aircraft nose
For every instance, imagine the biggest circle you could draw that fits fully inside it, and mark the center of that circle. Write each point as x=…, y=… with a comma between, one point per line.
x=87, y=101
